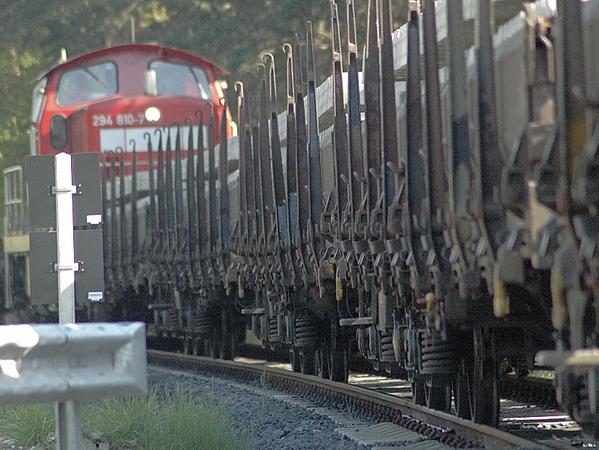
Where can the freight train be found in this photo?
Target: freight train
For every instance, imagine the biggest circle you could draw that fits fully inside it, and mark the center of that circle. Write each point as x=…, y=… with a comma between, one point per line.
x=442, y=225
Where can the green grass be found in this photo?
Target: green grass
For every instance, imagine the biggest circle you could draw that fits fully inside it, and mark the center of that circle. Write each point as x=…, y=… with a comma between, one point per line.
x=27, y=425
x=161, y=421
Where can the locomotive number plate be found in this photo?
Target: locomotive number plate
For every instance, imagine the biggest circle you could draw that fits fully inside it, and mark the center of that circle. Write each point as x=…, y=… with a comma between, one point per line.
x=120, y=120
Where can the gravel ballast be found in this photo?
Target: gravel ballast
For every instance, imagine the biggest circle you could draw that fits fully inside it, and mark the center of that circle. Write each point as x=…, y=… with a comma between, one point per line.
x=270, y=419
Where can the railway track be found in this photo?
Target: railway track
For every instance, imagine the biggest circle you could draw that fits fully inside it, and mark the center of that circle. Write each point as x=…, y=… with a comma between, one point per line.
x=532, y=389
x=380, y=400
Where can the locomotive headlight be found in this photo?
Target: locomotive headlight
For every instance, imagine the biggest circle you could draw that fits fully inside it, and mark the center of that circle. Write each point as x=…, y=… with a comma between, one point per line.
x=152, y=114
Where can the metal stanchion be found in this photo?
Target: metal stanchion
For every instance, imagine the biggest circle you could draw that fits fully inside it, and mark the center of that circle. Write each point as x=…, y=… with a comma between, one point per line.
x=68, y=413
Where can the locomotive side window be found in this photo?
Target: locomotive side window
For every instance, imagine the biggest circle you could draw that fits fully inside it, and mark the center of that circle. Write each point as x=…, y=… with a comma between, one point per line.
x=87, y=83
x=180, y=79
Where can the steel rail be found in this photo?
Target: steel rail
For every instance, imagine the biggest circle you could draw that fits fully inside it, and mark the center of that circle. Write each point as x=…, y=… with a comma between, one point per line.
x=387, y=407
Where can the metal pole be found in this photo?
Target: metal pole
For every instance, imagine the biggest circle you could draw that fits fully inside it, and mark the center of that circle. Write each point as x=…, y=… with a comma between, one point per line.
x=68, y=417
x=133, y=30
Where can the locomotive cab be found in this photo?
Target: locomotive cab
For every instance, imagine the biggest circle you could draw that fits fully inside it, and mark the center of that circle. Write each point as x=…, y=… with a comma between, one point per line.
x=105, y=99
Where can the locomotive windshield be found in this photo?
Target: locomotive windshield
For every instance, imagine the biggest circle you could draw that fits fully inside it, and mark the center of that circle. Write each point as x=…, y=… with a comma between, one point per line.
x=87, y=83
x=180, y=79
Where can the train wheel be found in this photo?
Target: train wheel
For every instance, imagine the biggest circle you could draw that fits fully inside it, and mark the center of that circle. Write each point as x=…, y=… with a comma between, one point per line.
x=212, y=347
x=483, y=382
x=321, y=361
x=338, y=361
x=187, y=344
x=376, y=365
x=227, y=346
x=437, y=396
x=461, y=400
x=307, y=360
x=227, y=336
x=294, y=359
x=393, y=370
x=418, y=395
x=196, y=346
x=207, y=347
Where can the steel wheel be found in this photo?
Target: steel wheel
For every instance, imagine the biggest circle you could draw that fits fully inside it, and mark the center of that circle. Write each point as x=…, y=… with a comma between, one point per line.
x=227, y=336
x=187, y=344
x=437, y=396
x=213, y=345
x=461, y=399
x=196, y=346
x=418, y=395
x=294, y=359
x=338, y=358
x=393, y=370
x=376, y=365
x=321, y=362
x=226, y=347
x=483, y=379
x=307, y=360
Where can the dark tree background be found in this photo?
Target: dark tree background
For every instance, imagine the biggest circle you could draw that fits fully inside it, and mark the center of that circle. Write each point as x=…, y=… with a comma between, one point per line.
x=233, y=34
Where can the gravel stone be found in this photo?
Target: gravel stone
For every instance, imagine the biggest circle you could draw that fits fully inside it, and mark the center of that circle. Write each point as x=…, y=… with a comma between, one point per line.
x=273, y=420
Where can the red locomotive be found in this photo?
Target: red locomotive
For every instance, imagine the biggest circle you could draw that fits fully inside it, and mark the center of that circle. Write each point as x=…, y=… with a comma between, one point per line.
x=104, y=99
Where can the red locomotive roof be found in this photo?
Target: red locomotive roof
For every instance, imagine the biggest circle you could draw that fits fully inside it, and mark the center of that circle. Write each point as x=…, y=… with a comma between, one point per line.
x=159, y=49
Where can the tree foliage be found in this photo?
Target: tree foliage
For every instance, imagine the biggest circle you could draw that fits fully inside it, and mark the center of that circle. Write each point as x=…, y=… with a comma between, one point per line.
x=231, y=33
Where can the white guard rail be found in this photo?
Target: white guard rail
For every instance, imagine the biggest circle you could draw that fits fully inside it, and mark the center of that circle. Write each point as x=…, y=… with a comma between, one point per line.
x=47, y=363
